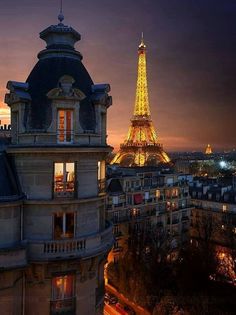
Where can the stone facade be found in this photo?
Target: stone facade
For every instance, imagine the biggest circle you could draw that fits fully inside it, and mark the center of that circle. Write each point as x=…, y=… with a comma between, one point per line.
x=54, y=239
x=142, y=199
x=213, y=220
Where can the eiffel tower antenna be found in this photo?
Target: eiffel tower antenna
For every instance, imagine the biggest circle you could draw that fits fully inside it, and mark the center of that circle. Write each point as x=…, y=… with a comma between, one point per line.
x=61, y=16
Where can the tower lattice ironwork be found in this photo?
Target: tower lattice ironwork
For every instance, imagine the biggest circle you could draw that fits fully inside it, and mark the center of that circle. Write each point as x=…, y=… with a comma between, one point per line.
x=141, y=146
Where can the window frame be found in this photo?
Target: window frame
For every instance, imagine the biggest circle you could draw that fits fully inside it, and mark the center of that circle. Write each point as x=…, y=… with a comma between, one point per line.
x=64, y=191
x=63, y=225
x=63, y=132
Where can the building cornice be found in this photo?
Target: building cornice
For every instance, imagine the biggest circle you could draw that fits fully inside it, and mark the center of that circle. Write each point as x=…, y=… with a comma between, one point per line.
x=57, y=149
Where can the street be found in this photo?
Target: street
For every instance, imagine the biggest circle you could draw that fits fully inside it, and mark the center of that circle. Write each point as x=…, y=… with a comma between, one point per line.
x=108, y=309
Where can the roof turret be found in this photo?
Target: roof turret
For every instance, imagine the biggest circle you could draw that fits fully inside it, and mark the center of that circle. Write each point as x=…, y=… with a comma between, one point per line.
x=60, y=38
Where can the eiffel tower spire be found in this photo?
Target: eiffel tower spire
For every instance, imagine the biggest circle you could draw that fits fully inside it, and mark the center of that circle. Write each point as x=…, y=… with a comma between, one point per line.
x=141, y=146
x=141, y=107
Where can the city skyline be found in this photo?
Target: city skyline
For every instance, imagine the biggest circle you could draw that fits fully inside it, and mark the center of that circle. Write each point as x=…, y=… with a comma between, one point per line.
x=190, y=61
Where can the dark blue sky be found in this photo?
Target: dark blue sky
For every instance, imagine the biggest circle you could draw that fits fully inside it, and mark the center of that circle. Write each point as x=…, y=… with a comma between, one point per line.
x=191, y=60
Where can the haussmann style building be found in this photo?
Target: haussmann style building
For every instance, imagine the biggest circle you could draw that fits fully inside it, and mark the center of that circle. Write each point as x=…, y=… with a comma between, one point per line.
x=54, y=239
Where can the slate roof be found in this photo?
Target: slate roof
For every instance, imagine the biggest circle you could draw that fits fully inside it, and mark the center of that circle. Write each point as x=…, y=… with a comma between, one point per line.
x=44, y=77
x=114, y=186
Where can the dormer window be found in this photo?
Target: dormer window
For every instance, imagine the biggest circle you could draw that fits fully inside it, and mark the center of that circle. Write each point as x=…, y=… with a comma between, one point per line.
x=65, y=126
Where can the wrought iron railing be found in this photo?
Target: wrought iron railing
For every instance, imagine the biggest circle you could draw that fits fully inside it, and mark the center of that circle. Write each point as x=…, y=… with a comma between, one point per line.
x=63, y=307
x=64, y=189
x=65, y=136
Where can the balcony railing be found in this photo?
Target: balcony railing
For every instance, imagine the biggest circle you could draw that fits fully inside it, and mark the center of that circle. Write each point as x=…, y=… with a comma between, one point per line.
x=65, y=246
x=185, y=218
x=64, y=189
x=72, y=248
x=65, y=136
x=175, y=221
x=63, y=307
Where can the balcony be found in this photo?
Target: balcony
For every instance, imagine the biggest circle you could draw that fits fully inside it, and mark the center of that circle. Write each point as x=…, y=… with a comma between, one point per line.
x=64, y=189
x=72, y=248
x=13, y=257
x=63, y=307
x=121, y=219
x=65, y=136
x=174, y=221
x=118, y=206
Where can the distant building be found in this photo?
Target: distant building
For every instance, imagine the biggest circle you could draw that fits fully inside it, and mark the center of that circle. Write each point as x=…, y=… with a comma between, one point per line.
x=141, y=146
x=213, y=220
x=5, y=131
x=54, y=239
x=139, y=199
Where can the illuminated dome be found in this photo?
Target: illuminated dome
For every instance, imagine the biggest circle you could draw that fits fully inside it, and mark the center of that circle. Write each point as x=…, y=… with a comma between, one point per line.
x=208, y=149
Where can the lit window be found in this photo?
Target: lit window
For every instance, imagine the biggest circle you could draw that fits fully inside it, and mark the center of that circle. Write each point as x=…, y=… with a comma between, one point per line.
x=99, y=170
x=115, y=200
x=63, y=288
x=158, y=194
x=135, y=212
x=65, y=126
x=64, y=179
x=173, y=206
x=168, y=205
x=64, y=225
x=224, y=208
x=101, y=177
x=167, y=193
x=174, y=192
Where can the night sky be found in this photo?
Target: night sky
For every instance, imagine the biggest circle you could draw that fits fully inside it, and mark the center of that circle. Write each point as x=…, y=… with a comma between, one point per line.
x=191, y=60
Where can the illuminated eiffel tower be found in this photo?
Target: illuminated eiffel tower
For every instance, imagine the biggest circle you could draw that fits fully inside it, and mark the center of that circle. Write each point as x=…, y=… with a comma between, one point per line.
x=141, y=146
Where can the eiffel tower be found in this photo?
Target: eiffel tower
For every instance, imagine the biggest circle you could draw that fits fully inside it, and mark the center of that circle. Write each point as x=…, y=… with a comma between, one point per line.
x=141, y=146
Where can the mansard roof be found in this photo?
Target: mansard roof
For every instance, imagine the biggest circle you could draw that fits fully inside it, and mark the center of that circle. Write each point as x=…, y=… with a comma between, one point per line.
x=44, y=77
